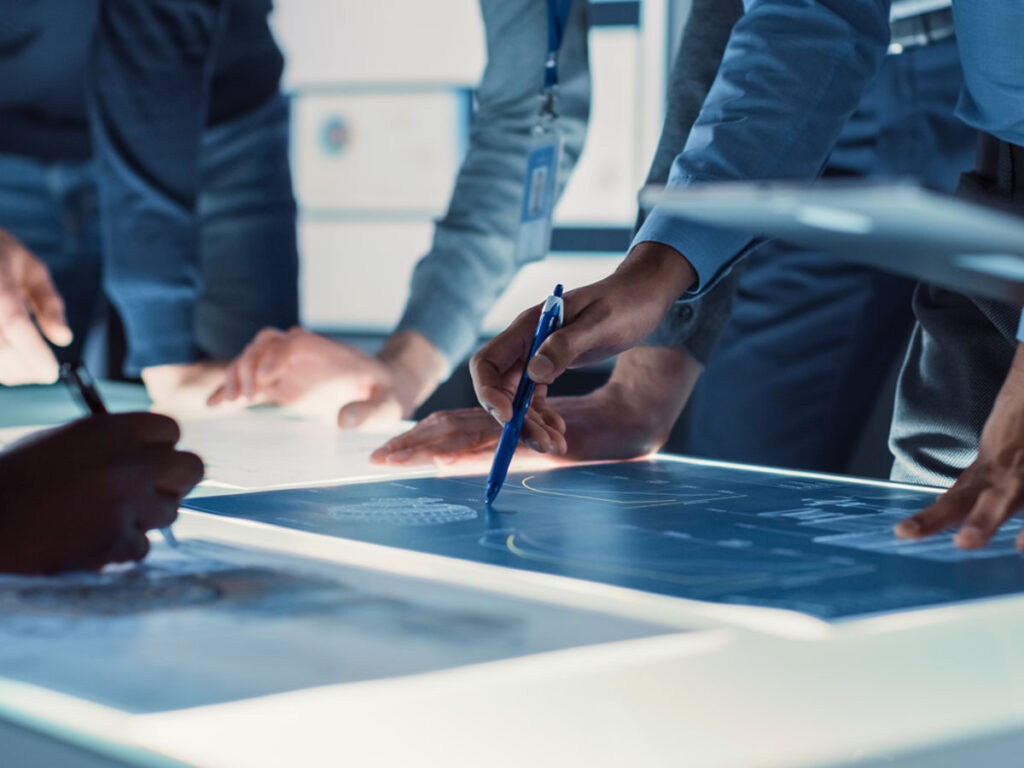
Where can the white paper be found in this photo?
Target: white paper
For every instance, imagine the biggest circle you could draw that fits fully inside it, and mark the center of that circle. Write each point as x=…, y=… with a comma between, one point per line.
x=258, y=450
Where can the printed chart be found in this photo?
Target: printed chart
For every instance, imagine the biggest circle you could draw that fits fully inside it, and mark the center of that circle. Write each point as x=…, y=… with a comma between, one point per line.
x=816, y=545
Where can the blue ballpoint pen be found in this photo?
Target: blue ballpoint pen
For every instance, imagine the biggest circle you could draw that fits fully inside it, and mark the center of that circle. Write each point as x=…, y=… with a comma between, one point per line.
x=83, y=388
x=550, y=320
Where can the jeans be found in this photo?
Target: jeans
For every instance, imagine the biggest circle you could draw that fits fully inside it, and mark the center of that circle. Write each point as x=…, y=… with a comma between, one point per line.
x=811, y=340
x=248, y=249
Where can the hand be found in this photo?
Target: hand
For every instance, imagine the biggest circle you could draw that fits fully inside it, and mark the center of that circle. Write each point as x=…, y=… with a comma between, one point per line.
x=629, y=416
x=991, y=489
x=185, y=387
x=600, y=320
x=300, y=366
x=26, y=291
x=84, y=495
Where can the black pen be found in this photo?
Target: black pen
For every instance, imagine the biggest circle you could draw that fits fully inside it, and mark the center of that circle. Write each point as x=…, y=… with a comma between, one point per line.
x=83, y=389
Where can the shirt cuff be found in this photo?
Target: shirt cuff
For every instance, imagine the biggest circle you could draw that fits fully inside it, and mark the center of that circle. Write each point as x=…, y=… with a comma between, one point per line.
x=709, y=250
x=159, y=330
x=441, y=320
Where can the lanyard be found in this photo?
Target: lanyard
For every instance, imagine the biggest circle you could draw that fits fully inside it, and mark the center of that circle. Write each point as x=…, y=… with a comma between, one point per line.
x=558, y=17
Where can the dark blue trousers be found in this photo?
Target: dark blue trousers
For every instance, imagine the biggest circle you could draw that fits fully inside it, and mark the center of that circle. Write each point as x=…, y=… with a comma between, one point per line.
x=811, y=340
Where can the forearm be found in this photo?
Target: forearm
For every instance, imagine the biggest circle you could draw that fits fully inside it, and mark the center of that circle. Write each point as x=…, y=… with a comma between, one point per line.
x=791, y=75
x=472, y=259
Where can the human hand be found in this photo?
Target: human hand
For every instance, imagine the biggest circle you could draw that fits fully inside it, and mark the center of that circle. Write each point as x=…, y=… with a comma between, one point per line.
x=84, y=495
x=991, y=489
x=27, y=291
x=300, y=366
x=631, y=415
x=601, y=320
x=184, y=387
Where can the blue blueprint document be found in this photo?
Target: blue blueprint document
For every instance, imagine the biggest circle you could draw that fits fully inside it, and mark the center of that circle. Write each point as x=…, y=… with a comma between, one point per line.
x=817, y=545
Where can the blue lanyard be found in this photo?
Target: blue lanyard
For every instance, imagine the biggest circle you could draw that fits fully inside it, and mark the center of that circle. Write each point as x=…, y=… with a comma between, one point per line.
x=558, y=16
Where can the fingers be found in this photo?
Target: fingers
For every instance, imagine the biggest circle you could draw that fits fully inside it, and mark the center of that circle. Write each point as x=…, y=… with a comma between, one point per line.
x=950, y=508
x=240, y=375
x=982, y=507
x=994, y=506
x=449, y=433
x=47, y=305
x=381, y=406
x=146, y=428
x=253, y=358
x=26, y=359
x=496, y=368
x=174, y=473
x=129, y=546
x=591, y=336
x=159, y=510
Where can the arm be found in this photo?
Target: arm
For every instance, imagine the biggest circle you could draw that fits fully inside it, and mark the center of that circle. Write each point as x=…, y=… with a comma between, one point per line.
x=471, y=261
x=147, y=87
x=791, y=75
x=630, y=415
x=991, y=489
x=693, y=325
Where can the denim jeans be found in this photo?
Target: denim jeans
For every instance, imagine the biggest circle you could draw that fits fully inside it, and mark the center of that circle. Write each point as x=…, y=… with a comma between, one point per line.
x=248, y=250
x=811, y=341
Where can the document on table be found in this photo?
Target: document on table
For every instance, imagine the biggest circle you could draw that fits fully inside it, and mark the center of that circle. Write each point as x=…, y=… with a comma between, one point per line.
x=209, y=623
x=255, y=450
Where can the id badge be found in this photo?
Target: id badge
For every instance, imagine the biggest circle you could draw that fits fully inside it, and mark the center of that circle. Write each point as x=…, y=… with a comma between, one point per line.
x=534, y=240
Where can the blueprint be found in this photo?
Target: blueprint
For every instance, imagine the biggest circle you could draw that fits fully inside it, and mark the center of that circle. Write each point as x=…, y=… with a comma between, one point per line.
x=817, y=545
x=208, y=623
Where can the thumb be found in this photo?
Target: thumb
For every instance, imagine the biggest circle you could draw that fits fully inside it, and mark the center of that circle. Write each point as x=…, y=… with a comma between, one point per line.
x=46, y=303
x=561, y=349
x=381, y=406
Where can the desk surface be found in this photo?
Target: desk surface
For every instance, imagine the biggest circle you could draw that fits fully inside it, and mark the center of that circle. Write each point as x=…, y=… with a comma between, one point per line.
x=659, y=680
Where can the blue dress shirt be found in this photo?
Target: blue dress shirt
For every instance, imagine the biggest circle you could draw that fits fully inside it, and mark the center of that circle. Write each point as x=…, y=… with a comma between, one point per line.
x=792, y=74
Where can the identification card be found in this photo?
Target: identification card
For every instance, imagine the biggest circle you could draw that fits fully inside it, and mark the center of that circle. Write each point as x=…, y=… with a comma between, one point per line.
x=534, y=240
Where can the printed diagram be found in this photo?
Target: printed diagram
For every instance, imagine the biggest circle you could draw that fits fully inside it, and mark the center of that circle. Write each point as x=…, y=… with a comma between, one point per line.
x=414, y=511
x=694, y=530
x=865, y=524
x=209, y=623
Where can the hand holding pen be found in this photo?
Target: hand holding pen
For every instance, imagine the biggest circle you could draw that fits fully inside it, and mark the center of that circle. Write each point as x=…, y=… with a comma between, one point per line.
x=178, y=471
x=551, y=317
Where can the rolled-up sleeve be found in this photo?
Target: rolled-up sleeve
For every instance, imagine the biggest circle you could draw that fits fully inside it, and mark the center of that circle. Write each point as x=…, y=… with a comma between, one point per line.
x=791, y=75
x=147, y=85
x=472, y=258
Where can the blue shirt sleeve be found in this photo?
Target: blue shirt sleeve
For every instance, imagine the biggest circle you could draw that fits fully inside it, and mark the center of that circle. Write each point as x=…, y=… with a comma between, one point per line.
x=147, y=86
x=792, y=74
x=472, y=258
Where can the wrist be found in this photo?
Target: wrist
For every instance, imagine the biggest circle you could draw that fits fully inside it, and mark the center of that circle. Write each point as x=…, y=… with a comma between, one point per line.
x=659, y=269
x=416, y=368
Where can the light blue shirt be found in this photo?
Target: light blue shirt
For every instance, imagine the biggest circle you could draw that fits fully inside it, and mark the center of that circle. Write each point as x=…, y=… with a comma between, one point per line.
x=792, y=74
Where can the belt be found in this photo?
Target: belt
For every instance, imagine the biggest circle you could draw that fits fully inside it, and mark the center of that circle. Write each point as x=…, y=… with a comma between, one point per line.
x=923, y=29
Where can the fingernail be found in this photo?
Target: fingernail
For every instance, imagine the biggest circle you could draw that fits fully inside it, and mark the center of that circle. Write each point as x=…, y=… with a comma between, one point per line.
x=907, y=528
x=494, y=413
x=534, y=445
x=541, y=368
x=400, y=455
x=445, y=460
x=969, y=536
x=61, y=336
